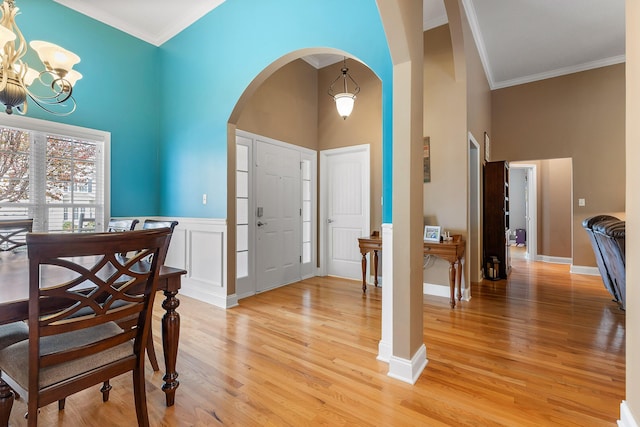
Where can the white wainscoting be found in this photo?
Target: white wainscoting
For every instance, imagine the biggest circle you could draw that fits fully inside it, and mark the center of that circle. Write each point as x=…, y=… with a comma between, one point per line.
x=199, y=245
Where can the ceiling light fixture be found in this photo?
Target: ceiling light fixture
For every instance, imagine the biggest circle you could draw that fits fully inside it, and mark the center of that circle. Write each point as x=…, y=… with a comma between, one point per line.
x=16, y=77
x=345, y=99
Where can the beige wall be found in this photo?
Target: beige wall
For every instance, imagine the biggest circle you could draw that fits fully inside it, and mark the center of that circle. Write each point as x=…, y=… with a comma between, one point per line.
x=444, y=198
x=456, y=99
x=478, y=122
x=554, y=207
x=579, y=116
x=285, y=106
x=478, y=91
x=633, y=206
x=363, y=126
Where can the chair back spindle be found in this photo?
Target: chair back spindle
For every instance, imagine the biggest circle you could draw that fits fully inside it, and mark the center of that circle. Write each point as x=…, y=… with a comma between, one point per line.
x=13, y=233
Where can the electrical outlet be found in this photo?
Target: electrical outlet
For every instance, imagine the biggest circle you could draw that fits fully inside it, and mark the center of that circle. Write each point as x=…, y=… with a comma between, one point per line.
x=204, y=199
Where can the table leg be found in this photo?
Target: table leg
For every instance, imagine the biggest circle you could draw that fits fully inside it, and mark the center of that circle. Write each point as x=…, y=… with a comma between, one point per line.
x=6, y=402
x=170, y=336
x=364, y=272
x=459, y=278
x=375, y=268
x=452, y=284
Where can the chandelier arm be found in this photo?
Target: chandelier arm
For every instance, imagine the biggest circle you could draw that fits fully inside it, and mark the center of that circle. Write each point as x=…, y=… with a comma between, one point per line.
x=48, y=100
x=43, y=105
x=59, y=95
x=9, y=13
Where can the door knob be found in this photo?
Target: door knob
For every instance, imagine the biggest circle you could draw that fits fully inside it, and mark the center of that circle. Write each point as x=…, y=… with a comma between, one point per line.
x=260, y=223
x=329, y=221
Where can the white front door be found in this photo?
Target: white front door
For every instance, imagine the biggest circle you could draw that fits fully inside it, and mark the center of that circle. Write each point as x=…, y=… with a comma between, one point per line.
x=278, y=216
x=345, y=174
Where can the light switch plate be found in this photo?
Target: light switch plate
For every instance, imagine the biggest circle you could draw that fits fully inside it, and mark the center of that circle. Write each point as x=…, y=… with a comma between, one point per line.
x=581, y=202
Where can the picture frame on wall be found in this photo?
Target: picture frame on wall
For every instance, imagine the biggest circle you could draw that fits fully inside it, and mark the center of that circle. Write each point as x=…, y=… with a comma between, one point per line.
x=486, y=147
x=426, y=159
x=431, y=233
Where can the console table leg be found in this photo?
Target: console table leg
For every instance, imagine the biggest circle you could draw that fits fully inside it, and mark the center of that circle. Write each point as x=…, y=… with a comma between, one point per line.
x=170, y=336
x=375, y=268
x=459, y=279
x=6, y=402
x=364, y=272
x=452, y=284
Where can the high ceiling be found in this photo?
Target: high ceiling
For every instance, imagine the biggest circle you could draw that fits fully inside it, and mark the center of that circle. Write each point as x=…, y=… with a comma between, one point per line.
x=519, y=40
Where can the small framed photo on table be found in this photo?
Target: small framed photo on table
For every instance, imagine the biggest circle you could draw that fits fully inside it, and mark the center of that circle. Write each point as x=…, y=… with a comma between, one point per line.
x=432, y=233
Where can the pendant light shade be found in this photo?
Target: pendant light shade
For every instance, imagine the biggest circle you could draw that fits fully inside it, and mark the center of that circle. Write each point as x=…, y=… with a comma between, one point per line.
x=344, y=103
x=345, y=99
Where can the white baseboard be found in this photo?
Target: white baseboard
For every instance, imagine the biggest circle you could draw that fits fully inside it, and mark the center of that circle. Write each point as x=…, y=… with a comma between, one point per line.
x=554, y=259
x=408, y=370
x=216, y=300
x=436, y=290
x=583, y=269
x=384, y=352
x=626, y=417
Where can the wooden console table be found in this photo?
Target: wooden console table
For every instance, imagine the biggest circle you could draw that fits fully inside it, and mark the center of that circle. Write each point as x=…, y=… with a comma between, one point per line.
x=451, y=251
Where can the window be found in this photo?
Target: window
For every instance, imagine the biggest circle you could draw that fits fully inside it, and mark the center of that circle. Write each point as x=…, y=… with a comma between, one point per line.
x=242, y=211
x=54, y=174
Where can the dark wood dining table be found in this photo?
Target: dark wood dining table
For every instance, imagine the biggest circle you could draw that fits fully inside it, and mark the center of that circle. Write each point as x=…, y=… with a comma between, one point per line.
x=14, y=295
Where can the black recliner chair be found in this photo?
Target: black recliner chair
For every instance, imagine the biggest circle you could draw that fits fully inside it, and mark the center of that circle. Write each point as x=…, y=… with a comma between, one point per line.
x=610, y=236
x=588, y=224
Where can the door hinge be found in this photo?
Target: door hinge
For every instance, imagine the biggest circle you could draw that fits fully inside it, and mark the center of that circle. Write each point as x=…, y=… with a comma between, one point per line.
x=300, y=259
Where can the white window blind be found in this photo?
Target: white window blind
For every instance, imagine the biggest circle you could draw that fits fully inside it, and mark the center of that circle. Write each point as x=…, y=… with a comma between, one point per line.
x=54, y=174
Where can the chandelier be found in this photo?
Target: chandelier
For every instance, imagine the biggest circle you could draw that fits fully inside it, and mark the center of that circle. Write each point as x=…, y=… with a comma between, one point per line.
x=54, y=85
x=345, y=99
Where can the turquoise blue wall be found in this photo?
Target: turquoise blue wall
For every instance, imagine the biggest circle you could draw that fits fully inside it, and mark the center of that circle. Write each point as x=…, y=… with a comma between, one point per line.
x=167, y=108
x=207, y=67
x=118, y=93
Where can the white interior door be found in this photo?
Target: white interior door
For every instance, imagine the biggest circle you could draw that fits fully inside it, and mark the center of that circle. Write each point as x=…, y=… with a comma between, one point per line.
x=278, y=216
x=345, y=173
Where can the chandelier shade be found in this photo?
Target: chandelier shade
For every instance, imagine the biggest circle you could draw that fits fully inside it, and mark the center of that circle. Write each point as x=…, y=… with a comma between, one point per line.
x=345, y=99
x=53, y=86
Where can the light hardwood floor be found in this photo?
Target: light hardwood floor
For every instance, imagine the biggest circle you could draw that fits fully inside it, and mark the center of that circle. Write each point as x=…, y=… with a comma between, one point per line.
x=544, y=348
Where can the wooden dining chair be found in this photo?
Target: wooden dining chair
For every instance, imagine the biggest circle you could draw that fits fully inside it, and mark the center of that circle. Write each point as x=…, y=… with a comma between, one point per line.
x=12, y=333
x=121, y=225
x=150, y=224
x=66, y=351
x=13, y=232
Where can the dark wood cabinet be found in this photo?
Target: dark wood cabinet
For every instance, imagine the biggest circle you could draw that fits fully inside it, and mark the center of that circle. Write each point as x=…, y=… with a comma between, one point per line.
x=496, y=218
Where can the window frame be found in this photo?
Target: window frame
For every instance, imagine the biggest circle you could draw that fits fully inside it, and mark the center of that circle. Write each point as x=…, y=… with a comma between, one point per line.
x=69, y=131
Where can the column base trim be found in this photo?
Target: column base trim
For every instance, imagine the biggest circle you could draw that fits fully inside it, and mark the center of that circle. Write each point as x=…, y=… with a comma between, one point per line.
x=408, y=370
x=626, y=417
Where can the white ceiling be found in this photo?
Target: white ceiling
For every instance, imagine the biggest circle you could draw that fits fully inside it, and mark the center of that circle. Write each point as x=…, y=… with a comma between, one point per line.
x=519, y=40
